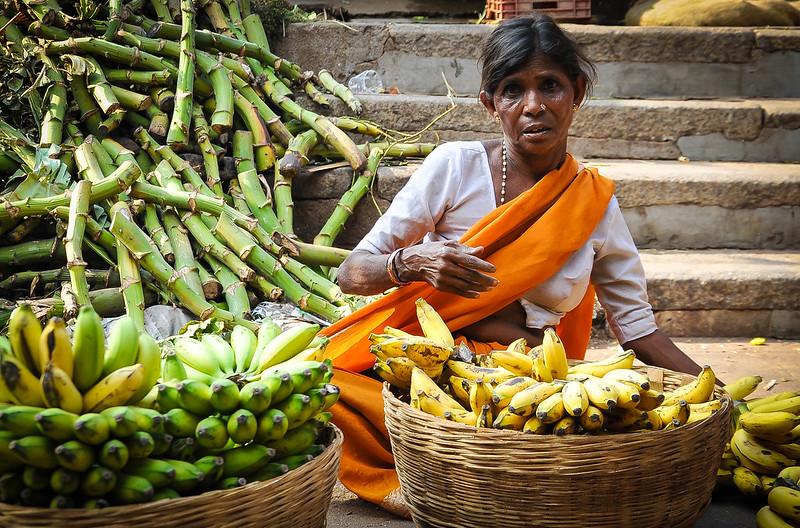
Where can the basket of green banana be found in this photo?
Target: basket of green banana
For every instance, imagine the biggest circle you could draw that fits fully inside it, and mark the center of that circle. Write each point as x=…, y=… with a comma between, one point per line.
x=762, y=458
x=236, y=422
x=524, y=437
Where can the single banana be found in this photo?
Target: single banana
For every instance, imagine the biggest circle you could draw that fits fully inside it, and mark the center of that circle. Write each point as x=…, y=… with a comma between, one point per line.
x=211, y=466
x=20, y=419
x=742, y=388
x=56, y=424
x=244, y=343
x=791, y=405
x=123, y=345
x=132, y=489
x=459, y=389
x=212, y=432
x=766, y=518
x=35, y=450
x=74, y=455
x=420, y=381
x=426, y=353
x=551, y=409
x=98, y=481
x=650, y=399
x=576, y=399
x=519, y=345
x=395, y=332
x=592, y=419
x=158, y=472
x=480, y=394
x=24, y=334
x=485, y=417
x=503, y=392
x=88, y=349
x=286, y=345
x=757, y=402
x=242, y=426
x=272, y=425
x=247, y=459
x=222, y=350
x=540, y=370
x=622, y=359
x=58, y=390
x=640, y=381
x=224, y=396
x=555, y=357
x=768, y=423
x=433, y=326
x=534, y=425
x=628, y=395
x=699, y=390
x=56, y=345
x=20, y=381
x=747, y=481
x=196, y=355
x=519, y=363
x=673, y=411
x=623, y=419
x=268, y=331
x=755, y=455
x=115, y=389
x=92, y=428
x=149, y=356
x=783, y=438
x=473, y=372
x=508, y=420
x=525, y=402
x=566, y=426
x=386, y=374
x=195, y=396
x=785, y=501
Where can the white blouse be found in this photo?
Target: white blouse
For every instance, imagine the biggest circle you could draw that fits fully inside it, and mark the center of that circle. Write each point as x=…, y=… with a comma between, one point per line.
x=453, y=189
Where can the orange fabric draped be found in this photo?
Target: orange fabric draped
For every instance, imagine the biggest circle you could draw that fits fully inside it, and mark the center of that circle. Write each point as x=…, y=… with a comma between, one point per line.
x=527, y=239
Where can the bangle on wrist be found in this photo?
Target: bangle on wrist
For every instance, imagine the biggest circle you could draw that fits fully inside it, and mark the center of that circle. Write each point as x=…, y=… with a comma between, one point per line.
x=391, y=268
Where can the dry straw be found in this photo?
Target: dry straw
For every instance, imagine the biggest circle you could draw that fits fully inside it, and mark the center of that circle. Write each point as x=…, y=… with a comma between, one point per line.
x=299, y=499
x=455, y=475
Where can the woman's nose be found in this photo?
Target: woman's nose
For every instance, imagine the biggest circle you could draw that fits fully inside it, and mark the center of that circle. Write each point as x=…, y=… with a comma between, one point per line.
x=533, y=102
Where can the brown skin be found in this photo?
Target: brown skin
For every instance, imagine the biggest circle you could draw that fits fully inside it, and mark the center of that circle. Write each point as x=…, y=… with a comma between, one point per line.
x=536, y=142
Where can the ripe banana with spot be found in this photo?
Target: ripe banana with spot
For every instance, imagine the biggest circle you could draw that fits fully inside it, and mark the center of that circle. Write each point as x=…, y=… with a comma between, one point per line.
x=525, y=402
x=767, y=424
x=58, y=389
x=622, y=359
x=555, y=357
x=115, y=389
x=474, y=372
x=420, y=381
x=21, y=382
x=785, y=501
x=519, y=363
x=56, y=345
x=503, y=392
x=699, y=390
x=24, y=334
x=741, y=388
x=433, y=326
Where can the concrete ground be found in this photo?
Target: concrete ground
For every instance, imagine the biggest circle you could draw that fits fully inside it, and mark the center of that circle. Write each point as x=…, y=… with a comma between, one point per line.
x=777, y=362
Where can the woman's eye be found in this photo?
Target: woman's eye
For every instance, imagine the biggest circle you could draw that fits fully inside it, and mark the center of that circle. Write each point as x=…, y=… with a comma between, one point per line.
x=551, y=84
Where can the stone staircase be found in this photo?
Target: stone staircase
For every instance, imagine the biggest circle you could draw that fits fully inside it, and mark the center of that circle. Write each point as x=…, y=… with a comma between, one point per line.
x=699, y=127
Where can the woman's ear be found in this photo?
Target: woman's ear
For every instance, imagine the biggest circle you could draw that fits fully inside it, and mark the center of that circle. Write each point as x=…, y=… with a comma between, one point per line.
x=488, y=103
x=580, y=90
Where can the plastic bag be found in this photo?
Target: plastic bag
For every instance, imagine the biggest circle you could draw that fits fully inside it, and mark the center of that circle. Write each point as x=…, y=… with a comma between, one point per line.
x=366, y=82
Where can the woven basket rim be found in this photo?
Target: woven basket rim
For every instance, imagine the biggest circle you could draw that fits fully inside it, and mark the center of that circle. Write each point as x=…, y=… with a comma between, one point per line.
x=278, y=485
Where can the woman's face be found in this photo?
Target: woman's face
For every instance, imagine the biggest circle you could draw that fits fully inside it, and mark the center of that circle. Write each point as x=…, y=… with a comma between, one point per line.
x=529, y=129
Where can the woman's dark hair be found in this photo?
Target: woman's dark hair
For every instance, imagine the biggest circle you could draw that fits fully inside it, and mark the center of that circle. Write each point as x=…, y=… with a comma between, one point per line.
x=512, y=44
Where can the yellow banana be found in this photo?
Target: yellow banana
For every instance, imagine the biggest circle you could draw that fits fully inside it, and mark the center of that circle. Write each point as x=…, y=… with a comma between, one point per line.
x=790, y=450
x=555, y=357
x=484, y=360
x=480, y=394
x=534, y=425
x=396, y=332
x=757, y=402
x=433, y=326
x=785, y=501
x=473, y=372
x=431, y=405
x=650, y=399
x=747, y=481
x=782, y=438
x=699, y=390
x=601, y=394
x=791, y=405
x=56, y=345
x=509, y=420
x=792, y=472
x=502, y=392
x=768, y=423
x=673, y=411
x=385, y=372
x=115, y=389
x=701, y=411
x=623, y=419
x=420, y=381
x=425, y=352
x=566, y=426
x=485, y=418
x=741, y=388
x=551, y=409
x=519, y=345
x=21, y=383
x=459, y=388
x=465, y=417
x=766, y=518
x=592, y=419
x=576, y=400
x=524, y=402
x=24, y=333
x=123, y=345
x=629, y=376
x=402, y=367
x=517, y=362
x=622, y=359
x=58, y=390
x=628, y=396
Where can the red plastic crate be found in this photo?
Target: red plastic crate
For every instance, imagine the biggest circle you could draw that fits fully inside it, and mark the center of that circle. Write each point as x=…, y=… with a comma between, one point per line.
x=558, y=9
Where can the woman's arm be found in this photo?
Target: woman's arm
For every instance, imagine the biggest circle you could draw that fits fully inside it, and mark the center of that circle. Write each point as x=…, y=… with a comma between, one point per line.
x=658, y=350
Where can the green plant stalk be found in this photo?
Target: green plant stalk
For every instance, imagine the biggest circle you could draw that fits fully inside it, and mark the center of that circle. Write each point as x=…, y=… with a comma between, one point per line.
x=145, y=161
x=73, y=241
x=210, y=159
x=178, y=134
x=359, y=126
x=163, y=97
x=235, y=192
x=141, y=77
x=32, y=252
x=20, y=279
x=249, y=251
x=347, y=204
x=104, y=159
x=129, y=234
x=118, y=152
x=272, y=120
x=339, y=90
x=234, y=291
x=97, y=234
x=164, y=152
x=159, y=122
x=114, y=19
x=111, y=185
x=392, y=150
x=161, y=10
x=90, y=113
x=89, y=168
x=131, y=100
x=50, y=12
x=219, y=19
x=23, y=229
x=310, y=254
x=264, y=152
x=158, y=234
x=258, y=202
x=185, y=263
x=296, y=155
x=55, y=105
x=107, y=302
x=74, y=137
x=44, y=31
x=111, y=51
x=99, y=86
x=135, y=120
x=130, y=278
x=9, y=163
x=112, y=122
x=212, y=289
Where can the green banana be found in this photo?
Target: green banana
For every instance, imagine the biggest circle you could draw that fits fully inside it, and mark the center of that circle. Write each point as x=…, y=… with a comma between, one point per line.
x=123, y=345
x=122, y=419
x=295, y=461
x=36, y=478
x=163, y=442
x=96, y=503
x=193, y=353
x=194, y=396
x=286, y=345
x=224, y=396
x=132, y=489
x=10, y=486
x=256, y=396
x=21, y=381
x=268, y=331
x=211, y=466
x=34, y=498
x=88, y=349
x=20, y=419
x=272, y=425
x=158, y=472
x=332, y=396
x=140, y=445
x=167, y=397
x=64, y=481
x=113, y=454
x=147, y=420
x=58, y=390
x=222, y=351
x=182, y=448
x=92, y=428
x=172, y=368
x=297, y=408
x=98, y=481
x=165, y=493
x=270, y=471
x=243, y=460
x=244, y=343
x=55, y=345
x=187, y=476
x=296, y=440
x=56, y=424
x=62, y=501
x=24, y=334
x=35, y=450
x=230, y=483
x=149, y=356
x=74, y=455
x=7, y=457
x=242, y=426
x=180, y=422
x=212, y=433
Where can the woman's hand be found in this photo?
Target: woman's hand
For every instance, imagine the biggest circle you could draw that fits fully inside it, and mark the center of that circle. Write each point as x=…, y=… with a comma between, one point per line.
x=448, y=266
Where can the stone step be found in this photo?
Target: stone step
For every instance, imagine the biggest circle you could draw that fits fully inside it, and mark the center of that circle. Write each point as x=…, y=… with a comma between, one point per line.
x=763, y=130
x=632, y=62
x=667, y=204
x=725, y=293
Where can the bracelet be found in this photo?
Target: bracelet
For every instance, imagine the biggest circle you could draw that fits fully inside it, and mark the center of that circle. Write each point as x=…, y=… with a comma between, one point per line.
x=391, y=269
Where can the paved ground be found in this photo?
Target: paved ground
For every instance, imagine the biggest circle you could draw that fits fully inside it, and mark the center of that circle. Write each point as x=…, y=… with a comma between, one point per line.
x=777, y=362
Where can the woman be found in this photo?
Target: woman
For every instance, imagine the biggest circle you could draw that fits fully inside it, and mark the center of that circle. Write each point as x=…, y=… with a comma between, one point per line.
x=516, y=236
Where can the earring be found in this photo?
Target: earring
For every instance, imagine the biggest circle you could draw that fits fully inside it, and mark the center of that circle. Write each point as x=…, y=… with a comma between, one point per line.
x=574, y=107
x=543, y=106
x=497, y=119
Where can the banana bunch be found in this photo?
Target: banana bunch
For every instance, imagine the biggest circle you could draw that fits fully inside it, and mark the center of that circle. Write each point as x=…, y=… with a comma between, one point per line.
x=46, y=367
x=398, y=353
x=764, y=448
x=783, y=501
x=537, y=391
x=241, y=354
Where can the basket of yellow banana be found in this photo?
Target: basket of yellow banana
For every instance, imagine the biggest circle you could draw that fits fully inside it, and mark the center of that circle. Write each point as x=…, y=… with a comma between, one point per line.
x=524, y=437
x=203, y=429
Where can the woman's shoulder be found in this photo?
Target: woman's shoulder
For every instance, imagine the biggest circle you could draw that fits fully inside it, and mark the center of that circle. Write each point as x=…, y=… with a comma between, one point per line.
x=469, y=149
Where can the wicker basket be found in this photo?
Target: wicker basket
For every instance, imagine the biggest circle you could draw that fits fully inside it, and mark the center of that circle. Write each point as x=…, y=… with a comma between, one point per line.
x=454, y=475
x=558, y=9
x=299, y=499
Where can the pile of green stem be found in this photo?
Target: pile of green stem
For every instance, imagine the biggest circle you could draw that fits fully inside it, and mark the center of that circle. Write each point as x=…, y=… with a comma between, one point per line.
x=130, y=94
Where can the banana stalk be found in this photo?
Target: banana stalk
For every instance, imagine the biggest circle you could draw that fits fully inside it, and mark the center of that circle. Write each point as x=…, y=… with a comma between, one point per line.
x=158, y=234
x=264, y=152
x=101, y=278
x=78, y=210
x=141, y=77
x=258, y=201
x=339, y=90
x=118, y=53
x=114, y=19
x=296, y=155
x=178, y=134
x=130, y=278
x=131, y=100
x=55, y=105
x=99, y=86
x=212, y=288
x=210, y=159
x=158, y=124
x=310, y=254
x=32, y=252
x=185, y=263
x=234, y=291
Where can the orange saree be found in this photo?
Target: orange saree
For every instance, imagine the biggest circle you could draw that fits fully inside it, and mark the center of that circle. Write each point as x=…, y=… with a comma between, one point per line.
x=527, y=239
